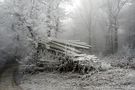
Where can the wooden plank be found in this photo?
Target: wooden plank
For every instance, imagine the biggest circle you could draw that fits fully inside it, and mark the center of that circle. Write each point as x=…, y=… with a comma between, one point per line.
x=76, y=43
x=61, y=49
x=70, y=44
x=80, y=43
x=68, y=53
x=65, y=47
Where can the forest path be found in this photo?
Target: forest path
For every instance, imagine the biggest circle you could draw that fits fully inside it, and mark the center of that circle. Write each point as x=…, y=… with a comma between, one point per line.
x=7, y=78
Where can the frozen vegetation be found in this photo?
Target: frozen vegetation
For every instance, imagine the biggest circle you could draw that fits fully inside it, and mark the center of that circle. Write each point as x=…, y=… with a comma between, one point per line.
x=67, y=44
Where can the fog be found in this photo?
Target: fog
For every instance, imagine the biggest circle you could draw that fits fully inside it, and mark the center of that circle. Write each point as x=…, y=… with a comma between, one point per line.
x=49, y=44
x=92, y=18
x=107, y=25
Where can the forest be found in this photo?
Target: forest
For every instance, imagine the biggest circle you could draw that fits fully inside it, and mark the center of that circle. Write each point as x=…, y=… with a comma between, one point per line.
x=67, y=44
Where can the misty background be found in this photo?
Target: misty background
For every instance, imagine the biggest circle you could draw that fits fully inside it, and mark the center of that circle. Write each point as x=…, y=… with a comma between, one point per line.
x=107, y=25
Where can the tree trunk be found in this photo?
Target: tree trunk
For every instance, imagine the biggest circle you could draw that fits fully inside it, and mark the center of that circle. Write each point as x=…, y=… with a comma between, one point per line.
x=116, y=40
x=112, y=37
x=57, y=28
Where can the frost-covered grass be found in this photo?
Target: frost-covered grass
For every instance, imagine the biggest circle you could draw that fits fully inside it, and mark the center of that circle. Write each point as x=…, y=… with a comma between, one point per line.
x=114, y=79
x=121, y=60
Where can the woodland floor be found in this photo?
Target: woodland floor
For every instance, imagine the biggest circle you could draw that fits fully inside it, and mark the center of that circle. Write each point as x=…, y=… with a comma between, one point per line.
x=113, y=79
x=7, y=78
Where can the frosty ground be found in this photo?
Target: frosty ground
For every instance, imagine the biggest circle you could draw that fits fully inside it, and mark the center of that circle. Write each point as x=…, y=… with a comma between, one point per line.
x=113, y=79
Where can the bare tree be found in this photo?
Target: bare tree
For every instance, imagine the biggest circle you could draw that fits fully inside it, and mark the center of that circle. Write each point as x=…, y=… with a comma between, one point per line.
x=113, y=10
x=53, y=17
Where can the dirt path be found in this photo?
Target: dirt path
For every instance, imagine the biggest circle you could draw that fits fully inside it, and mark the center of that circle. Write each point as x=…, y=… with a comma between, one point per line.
x=7, y=81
